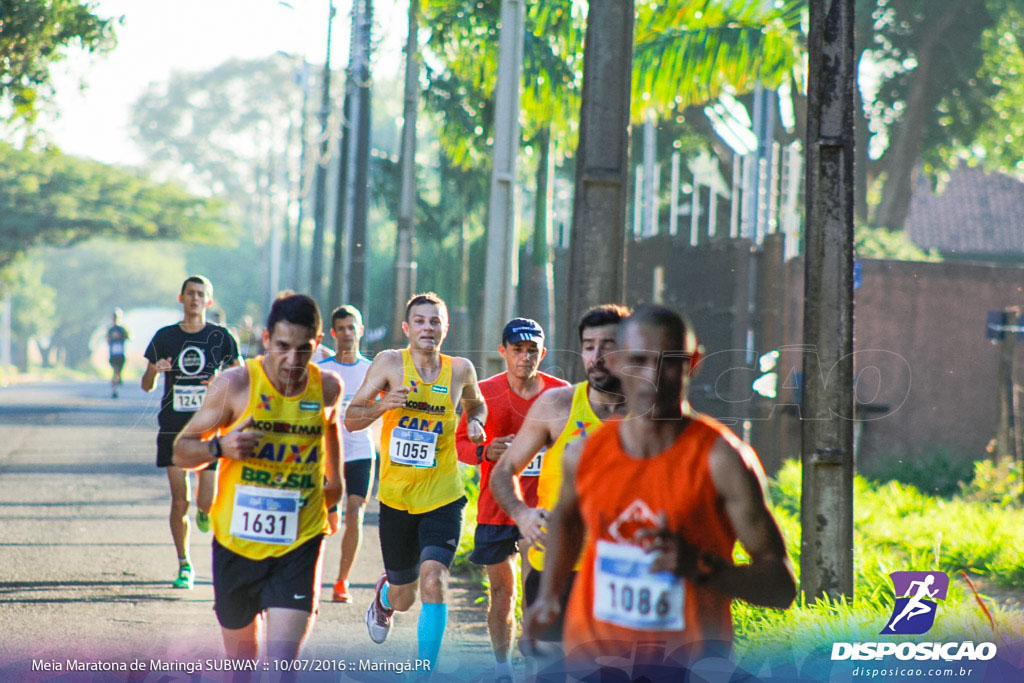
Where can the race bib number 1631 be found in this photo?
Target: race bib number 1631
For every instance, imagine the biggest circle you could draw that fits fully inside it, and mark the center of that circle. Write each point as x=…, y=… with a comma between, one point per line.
x=265, y=515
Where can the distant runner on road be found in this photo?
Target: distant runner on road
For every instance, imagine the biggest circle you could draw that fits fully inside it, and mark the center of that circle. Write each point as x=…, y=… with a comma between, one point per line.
x=273, y=426
x=188, y=354
x=117, y=335
x=347, y=330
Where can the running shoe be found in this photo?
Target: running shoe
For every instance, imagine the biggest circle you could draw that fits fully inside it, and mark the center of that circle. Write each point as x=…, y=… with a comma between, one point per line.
x=186, y=579
x=341, y=592
x=202, y=521
x=378, y=619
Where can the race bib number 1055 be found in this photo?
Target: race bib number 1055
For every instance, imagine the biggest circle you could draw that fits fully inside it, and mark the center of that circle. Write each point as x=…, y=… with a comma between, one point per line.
x=413, y=447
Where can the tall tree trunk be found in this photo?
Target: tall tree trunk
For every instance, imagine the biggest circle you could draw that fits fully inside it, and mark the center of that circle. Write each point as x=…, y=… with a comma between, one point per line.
x=538, y=302
x=908, y=139
x=597, y=252
x=405, y=265
x=357, y=250
x=316, y=266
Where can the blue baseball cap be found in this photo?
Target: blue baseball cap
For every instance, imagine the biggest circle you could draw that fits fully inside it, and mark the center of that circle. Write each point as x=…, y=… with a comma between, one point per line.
x=521, y=329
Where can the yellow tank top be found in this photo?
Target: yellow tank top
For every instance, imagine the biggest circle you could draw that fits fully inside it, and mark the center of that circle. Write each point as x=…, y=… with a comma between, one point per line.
x=273, y=502
x=418, y=465
x=581, y=423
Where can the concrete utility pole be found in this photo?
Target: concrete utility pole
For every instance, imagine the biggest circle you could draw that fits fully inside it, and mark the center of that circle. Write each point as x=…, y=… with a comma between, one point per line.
x=316, y=266
x=539, y=302
x=597, y=256
x=405, y=266
x=503, y=216
x=301, y=193
x=348, y=267
x=355, y=249
x=826, y=558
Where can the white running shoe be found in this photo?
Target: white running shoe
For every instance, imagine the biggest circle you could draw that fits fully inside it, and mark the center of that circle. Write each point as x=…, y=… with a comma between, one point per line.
x=378, y=619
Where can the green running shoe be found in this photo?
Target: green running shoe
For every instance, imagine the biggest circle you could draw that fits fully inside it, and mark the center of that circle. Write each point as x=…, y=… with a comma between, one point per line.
x=186, y=579
x=202, y=521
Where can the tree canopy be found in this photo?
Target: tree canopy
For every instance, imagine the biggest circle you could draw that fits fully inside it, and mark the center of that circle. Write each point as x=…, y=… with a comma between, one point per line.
x=35, y=34
x=50, y=198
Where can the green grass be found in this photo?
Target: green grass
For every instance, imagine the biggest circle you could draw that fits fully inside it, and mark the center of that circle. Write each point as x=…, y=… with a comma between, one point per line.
x=471, y=485
x=896, y=527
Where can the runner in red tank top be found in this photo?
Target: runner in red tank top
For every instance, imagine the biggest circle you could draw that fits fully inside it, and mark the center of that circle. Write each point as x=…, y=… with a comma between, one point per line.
x=661, y=497
x=509, y=396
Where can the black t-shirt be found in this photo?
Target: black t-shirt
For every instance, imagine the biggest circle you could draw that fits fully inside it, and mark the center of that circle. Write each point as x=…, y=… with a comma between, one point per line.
x=195, y=358
x=116, y=337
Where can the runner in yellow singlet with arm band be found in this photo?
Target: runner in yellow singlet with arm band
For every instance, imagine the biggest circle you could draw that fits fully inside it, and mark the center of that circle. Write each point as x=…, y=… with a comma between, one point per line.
x=420, y=492
x=274, y=428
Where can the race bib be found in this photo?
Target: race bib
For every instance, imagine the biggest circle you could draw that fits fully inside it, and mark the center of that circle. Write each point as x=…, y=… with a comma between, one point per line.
x=265, y=515
x=627, y=594
x=188, y=399
x=413, y=447
x=117, y=348
x=533, y=469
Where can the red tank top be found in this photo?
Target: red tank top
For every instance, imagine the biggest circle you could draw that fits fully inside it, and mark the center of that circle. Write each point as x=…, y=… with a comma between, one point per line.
x=618, y=496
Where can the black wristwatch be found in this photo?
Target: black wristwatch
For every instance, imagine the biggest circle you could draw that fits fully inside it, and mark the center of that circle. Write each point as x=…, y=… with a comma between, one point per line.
x=478, y=421
x=480, y=453
x=214, y=446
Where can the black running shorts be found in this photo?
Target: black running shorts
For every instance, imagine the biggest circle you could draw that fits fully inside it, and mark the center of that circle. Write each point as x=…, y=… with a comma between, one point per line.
x=407, y=539
x=165, y=451
x=358, y=476
x=531, y=587
x=494, y=543
x=242, y=588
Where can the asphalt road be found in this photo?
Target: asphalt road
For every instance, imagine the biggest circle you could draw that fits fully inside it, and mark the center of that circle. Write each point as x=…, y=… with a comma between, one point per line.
x=86, y=559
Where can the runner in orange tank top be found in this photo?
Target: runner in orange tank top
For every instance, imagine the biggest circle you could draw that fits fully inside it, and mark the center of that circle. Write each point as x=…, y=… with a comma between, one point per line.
x=661, y=497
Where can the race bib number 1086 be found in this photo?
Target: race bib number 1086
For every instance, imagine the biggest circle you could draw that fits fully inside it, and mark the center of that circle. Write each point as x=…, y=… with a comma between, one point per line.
x=627, y=593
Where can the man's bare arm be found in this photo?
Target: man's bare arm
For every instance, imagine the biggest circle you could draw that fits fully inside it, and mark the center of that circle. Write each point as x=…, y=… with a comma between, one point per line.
x=220, y=408
x=534, y=434
x=768, y=579
x=152, y=370
x=334, y=487
x=473, y=405
x=365, y=408
x=565, y=542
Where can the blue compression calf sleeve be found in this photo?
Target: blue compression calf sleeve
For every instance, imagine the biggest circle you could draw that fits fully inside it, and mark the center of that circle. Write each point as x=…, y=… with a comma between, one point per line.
x=430, y=631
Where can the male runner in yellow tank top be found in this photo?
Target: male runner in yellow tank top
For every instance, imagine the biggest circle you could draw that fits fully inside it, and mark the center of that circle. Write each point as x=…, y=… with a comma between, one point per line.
x=274, y=429
x=561, y=416
x=420, y=492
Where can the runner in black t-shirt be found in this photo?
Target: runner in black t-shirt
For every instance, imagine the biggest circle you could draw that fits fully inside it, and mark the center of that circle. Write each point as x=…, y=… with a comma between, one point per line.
x=189, y=354
x=117, y=335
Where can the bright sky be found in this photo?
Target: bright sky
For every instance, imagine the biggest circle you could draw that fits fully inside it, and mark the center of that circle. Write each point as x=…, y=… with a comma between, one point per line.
x=159, y=37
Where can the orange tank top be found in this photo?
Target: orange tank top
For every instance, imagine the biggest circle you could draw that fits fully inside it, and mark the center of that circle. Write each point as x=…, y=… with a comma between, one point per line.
x=615, y=599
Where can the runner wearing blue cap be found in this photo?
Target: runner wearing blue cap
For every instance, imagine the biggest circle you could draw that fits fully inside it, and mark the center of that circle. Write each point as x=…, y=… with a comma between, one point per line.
x=509, y=396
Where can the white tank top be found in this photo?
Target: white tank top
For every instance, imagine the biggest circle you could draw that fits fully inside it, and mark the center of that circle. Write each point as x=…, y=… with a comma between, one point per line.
x=358, y=445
